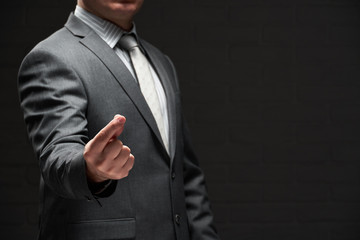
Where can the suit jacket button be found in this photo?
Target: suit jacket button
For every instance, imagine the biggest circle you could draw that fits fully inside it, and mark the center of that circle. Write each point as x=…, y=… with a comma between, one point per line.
x=173, y=175
x=177, y=219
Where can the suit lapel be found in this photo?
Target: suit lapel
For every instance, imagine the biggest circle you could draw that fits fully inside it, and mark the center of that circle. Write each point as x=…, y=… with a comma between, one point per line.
x=109, y=58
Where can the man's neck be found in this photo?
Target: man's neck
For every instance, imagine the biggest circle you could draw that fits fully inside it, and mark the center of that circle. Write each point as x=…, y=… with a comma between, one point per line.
x=124, y=24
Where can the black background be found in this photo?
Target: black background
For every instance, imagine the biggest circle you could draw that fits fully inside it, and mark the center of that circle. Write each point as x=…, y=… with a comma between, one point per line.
x=271, y=93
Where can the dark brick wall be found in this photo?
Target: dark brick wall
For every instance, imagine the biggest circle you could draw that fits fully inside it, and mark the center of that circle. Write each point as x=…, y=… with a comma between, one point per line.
x=272, y=94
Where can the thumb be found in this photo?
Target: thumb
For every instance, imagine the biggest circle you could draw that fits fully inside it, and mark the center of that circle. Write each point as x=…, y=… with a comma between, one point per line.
x=110, y=132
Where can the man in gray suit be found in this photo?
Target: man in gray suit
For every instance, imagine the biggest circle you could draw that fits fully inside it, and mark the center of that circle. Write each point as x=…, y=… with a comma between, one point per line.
x=76, y=88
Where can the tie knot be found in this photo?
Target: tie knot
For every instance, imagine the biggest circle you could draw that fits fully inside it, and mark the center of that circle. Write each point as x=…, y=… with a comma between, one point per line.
x=128, y=42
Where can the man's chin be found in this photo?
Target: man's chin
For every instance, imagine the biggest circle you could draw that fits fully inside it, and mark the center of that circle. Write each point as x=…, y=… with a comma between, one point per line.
x=126, y=8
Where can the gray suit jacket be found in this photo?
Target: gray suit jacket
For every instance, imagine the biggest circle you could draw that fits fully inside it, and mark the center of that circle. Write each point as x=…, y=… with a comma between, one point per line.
x=70, y=86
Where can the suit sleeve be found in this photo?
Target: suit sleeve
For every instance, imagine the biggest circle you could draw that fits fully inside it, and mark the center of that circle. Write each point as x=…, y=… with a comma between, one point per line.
x=54, y=103
x=199, y=212
x=200, y=216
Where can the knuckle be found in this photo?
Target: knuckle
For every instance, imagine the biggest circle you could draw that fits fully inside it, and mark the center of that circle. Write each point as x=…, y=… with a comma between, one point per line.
x=126, y=150
x=120, y=173
x=118, y=176
x=89, y=157
x=125, y=174
x=131, y=166
x=87, y=150
x=131, y=161
x=86, y=154
x=118, y=144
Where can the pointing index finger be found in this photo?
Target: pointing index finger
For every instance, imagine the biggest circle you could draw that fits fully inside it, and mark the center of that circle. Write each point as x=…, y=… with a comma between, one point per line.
x=112, y=130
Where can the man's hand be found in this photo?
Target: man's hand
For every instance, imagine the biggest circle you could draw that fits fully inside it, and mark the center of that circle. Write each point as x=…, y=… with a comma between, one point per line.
x=106, y=157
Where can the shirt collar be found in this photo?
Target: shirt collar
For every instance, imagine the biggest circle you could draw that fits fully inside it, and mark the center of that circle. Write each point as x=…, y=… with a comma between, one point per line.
x=107, y=31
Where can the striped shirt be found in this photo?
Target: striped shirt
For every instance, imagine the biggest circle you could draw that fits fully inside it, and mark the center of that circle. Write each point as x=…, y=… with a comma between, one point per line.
x=111, y=34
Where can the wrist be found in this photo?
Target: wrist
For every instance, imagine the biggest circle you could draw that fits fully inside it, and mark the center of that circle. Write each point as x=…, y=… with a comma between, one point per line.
x=93, y=176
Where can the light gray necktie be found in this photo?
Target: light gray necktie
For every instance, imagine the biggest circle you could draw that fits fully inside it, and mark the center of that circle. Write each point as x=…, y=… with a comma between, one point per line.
x=146, y=81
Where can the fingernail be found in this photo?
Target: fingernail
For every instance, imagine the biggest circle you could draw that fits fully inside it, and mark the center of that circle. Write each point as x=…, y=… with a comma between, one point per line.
x=120, y=118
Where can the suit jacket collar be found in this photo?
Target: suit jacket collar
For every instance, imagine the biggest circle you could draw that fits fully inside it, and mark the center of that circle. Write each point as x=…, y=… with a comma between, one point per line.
x=77, y=27
x=109, y=58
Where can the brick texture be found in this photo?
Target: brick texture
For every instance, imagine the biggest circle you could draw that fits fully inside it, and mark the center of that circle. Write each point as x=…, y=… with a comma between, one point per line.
x=271, y=92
